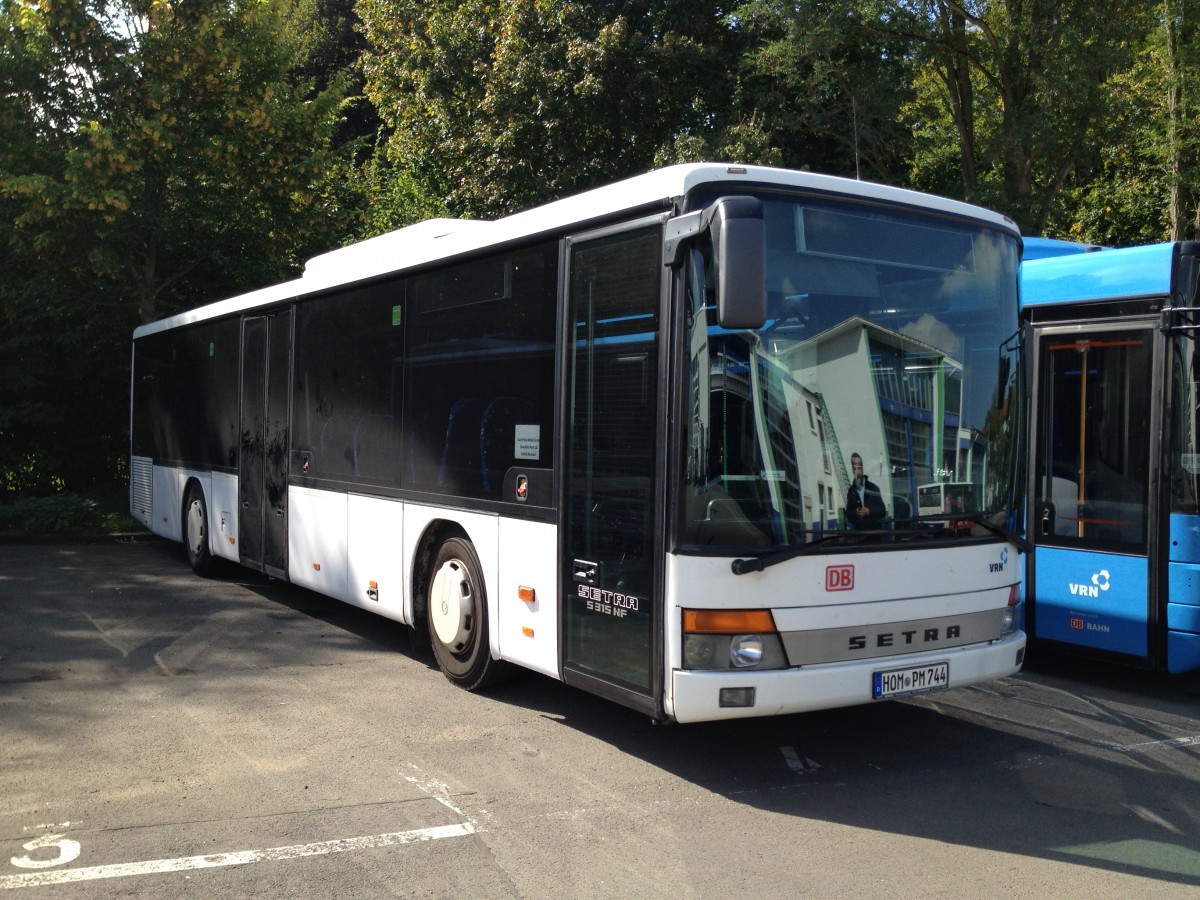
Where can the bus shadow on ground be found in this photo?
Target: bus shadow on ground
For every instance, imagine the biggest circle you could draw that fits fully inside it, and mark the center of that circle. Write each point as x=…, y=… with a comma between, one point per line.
x=1022, y=766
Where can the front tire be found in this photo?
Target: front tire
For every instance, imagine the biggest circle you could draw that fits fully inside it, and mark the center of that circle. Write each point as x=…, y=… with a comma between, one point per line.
x=195, y=531
x=457, y=618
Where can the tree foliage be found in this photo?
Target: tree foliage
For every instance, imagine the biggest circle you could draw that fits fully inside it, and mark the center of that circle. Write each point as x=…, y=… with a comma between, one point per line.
x=157, y=154
x=492, y=106
x=1026, y=88
x=827, y=85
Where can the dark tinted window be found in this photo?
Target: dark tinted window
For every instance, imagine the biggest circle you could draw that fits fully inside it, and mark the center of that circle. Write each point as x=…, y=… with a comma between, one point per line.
x=185, y=404
x=345, y=414
x=479, y=377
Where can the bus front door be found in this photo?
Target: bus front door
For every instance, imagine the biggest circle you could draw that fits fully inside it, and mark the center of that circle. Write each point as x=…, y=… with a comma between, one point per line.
x=611, y=570
x=1092, y=511
x=263, y=456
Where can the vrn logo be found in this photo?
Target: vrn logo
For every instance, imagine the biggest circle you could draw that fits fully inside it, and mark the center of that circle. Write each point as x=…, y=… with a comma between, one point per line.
x=999, y=566
x=1100, y=582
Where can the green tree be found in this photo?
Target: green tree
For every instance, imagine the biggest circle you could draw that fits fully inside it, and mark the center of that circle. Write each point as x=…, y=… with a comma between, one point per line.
x=1025, y=86
x=1180, y=64
x=1124, y=197
x=493, y=106
x=827, y=84
x=1147, y=187
x=155, y=154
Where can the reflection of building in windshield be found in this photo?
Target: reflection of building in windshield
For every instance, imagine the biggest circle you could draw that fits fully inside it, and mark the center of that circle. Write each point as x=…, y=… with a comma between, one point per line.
x=776, y=422
x=892, y=399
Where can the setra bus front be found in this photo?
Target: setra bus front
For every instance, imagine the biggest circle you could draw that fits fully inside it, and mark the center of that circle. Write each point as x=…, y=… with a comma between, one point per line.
x=800, y=572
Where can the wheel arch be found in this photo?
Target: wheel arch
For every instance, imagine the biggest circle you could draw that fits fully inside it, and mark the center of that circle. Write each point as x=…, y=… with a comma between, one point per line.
x=435, y=531
x=481, y=532
x=201, y=561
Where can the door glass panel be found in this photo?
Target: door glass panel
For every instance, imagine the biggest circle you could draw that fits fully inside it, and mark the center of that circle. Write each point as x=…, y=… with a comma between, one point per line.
x=1094, y=438
x=251, y=452
x=1182, y=459
x=275, y=442
x=610, y=572
x=263, y=446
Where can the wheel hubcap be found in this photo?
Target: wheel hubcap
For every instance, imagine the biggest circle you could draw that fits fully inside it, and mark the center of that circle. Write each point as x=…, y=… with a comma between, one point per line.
x=196, y=527
x=450, y=605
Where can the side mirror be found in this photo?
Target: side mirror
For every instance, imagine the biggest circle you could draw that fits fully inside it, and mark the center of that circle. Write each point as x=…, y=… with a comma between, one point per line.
x=740, y=252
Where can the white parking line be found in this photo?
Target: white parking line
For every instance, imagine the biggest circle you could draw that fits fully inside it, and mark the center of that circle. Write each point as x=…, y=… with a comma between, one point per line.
x=241, y=858
x=1169, y=744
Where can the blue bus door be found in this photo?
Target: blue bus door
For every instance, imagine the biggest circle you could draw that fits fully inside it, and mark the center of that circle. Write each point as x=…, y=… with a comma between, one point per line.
x=1091, y=582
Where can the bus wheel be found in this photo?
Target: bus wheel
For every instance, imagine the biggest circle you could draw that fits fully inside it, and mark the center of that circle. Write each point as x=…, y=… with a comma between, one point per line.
x=458, y=625
x=195, y=531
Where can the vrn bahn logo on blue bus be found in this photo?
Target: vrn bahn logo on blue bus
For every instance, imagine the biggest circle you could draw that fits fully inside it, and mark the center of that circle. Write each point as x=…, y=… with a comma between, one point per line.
x=1100, y=582
x=1093, y=599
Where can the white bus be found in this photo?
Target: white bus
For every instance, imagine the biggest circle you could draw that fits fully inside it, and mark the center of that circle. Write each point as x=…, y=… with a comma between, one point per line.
x=956, y=498
x=608, y=439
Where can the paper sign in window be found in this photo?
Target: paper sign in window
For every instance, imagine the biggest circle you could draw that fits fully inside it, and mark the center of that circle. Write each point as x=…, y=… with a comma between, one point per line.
x=528, y=442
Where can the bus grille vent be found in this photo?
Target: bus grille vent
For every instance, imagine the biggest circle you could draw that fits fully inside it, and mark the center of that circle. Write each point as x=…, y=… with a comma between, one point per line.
x=141, y=486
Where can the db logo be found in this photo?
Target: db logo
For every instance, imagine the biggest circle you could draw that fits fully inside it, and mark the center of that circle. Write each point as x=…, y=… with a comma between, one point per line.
x=1076, y=624
x=839, y=578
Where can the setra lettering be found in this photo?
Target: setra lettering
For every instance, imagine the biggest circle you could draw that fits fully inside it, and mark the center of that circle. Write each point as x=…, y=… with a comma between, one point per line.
x=905, y=638
x=611, y=599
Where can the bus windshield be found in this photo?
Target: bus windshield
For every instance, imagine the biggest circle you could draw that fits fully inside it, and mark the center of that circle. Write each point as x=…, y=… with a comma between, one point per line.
x=886, y=366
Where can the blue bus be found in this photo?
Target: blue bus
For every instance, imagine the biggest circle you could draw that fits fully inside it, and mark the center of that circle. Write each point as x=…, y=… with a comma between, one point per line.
x=1114, y=492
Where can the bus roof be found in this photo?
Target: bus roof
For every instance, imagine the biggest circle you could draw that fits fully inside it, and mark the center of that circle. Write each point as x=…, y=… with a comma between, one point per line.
x=1046, y=248
x=1129, y=272
x=438, y=239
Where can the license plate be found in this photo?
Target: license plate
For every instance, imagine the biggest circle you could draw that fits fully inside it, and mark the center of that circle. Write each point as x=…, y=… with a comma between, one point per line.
x=911, y=680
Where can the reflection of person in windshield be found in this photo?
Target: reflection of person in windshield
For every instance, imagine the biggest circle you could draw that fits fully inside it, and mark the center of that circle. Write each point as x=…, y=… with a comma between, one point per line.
x=864, y=503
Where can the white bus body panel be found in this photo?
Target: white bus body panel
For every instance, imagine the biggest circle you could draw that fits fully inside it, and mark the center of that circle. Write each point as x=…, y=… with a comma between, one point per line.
x=528, y=632
x=317, y=540
x=157, y=502
x=223, y=516
x=362, y=550
x=375, y=569
x=803, y=596
x=167, y=506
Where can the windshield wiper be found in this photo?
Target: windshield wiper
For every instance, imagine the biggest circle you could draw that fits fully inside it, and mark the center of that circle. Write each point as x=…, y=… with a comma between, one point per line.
x=775, y=557
x=1001, y=531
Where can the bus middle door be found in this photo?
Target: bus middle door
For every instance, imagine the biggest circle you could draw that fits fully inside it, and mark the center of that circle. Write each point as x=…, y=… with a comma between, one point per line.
x=263, y=456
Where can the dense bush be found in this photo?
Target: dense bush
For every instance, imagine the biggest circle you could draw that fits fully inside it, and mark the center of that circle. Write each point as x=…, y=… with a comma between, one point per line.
x=65, y=514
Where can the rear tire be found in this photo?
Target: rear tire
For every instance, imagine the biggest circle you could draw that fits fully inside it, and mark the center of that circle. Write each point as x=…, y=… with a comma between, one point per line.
x=195, y=531
x=457, y=618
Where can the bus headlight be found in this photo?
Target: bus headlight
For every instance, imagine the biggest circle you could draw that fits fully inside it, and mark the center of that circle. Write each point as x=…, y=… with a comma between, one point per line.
x=745, y=650
x=725, y=652
x=724, y=640
x=699, y=650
